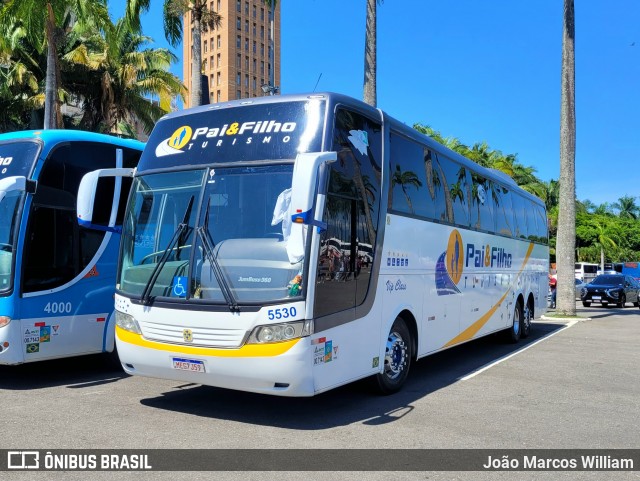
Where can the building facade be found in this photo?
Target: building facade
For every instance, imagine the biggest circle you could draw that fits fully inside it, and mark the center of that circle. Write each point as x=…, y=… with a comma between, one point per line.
x=237, y=57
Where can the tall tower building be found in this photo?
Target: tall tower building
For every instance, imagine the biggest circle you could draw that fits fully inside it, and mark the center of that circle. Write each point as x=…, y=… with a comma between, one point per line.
x=237, y=57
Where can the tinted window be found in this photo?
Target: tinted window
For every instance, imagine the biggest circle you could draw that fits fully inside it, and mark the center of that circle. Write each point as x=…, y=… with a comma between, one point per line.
x=18, y=157
x=481, y=203
x=408, y=178
x=456, y=191
x=615, y=280
x=503, y=209
x=520, y=208
x=435, y=186
x=542, y=223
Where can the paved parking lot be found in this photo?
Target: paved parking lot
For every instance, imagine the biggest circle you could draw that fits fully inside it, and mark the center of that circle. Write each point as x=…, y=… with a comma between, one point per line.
x=569, y=386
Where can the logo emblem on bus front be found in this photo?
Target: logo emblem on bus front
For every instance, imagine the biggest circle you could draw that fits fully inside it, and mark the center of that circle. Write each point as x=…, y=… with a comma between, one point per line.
x=187, y=335
x=175, y=143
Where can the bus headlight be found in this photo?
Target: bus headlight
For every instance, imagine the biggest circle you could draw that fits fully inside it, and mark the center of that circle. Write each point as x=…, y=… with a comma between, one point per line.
x=280, y=332
x=127, y=322
x=4, y=321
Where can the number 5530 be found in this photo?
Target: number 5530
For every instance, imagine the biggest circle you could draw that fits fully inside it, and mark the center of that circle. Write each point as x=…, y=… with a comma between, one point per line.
x=281, y=313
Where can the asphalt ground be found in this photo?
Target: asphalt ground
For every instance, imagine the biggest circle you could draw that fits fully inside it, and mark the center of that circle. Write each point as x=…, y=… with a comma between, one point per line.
x=570, y=385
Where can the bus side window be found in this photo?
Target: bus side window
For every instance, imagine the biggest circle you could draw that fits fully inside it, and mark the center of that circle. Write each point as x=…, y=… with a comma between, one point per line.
x=435, y=190
x=543, y=225
x=481, y=204
x=503, y=209
x=520, y=205
x=457, y=188
x=408, y=192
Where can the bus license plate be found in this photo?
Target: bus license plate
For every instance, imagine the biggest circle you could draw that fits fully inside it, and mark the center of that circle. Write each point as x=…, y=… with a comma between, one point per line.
x=188, y=365
x=596, y=298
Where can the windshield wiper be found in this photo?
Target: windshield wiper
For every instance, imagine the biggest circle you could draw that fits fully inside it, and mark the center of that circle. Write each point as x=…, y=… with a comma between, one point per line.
x=209, y=246
x=178, y=235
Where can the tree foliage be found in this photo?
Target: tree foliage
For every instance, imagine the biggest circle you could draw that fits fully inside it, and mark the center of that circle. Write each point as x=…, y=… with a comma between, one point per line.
x=607, y=230
x=104, y=69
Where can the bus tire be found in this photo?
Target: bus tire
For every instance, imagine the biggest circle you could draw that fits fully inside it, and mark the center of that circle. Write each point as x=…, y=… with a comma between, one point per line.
x=527, y=317
x=515, y=331
x=397, y=358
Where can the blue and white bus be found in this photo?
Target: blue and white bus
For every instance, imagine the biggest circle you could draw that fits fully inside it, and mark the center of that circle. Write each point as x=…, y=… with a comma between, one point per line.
x=57, y=278
x=291, y=244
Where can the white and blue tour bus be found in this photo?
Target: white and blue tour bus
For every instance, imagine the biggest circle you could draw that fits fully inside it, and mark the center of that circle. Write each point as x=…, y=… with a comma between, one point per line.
x=57, y=278
x=292, y=244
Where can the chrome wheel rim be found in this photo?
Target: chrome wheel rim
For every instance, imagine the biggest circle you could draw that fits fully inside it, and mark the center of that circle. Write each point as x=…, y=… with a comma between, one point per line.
x=516, y=322
x=395, y=358
x=527, y=318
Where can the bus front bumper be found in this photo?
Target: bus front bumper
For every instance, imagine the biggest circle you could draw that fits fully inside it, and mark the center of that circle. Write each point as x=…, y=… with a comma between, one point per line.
x=282, y=369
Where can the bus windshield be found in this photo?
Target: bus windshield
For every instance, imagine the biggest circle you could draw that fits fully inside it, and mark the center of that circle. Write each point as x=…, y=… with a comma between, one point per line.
x=16, y=158
x=9, y=208
x=232, y=248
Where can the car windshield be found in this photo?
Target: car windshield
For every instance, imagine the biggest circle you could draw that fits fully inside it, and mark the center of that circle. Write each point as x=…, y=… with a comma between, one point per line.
x=233, y=247
x=613, y=280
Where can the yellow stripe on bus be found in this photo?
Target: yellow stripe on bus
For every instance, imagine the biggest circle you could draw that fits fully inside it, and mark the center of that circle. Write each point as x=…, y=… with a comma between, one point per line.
x=248, y=350
x=473, y=329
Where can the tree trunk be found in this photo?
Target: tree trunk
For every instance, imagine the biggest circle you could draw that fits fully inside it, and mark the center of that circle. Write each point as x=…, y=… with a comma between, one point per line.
x=51, y=107
x=196, y=61
x=370, y=62
x=565, y=249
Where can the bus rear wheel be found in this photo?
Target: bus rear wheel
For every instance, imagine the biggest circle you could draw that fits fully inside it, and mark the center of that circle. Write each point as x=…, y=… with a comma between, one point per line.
x=397, y=358
x=526, y=320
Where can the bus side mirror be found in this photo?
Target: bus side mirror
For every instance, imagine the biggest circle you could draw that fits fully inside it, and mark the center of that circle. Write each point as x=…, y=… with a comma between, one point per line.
x=18, y=182
x=86, y=203
x=307, y=170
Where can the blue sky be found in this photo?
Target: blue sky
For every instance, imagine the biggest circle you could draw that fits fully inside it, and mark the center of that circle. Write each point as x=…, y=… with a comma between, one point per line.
x=480, y=71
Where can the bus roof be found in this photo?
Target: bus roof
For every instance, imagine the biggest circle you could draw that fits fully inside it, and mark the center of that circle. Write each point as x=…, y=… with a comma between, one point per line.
x=331, y=97
x=62, y=135
x=334, y=99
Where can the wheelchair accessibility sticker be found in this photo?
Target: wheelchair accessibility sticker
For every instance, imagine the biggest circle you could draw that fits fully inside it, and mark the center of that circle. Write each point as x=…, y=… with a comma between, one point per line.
x=179, y=288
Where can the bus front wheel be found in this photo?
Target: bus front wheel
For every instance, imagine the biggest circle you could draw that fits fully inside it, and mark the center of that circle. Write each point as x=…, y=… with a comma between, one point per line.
x=515, y=331
x=397, y=358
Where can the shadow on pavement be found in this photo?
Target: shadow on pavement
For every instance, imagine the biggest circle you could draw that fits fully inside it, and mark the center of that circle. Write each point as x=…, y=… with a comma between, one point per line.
x=356, y=402
x=75, y=372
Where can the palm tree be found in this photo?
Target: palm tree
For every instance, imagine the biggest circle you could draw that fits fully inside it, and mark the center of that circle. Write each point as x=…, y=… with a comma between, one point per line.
x=566, y=240
x=42, y=20
x=202, y=19
x=116, y=81
x=370, y=52
x=627, y=208
x=604, y=239
x=18, y=82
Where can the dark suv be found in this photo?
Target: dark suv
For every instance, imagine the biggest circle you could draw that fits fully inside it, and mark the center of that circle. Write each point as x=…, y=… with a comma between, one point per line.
x=611, y=289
